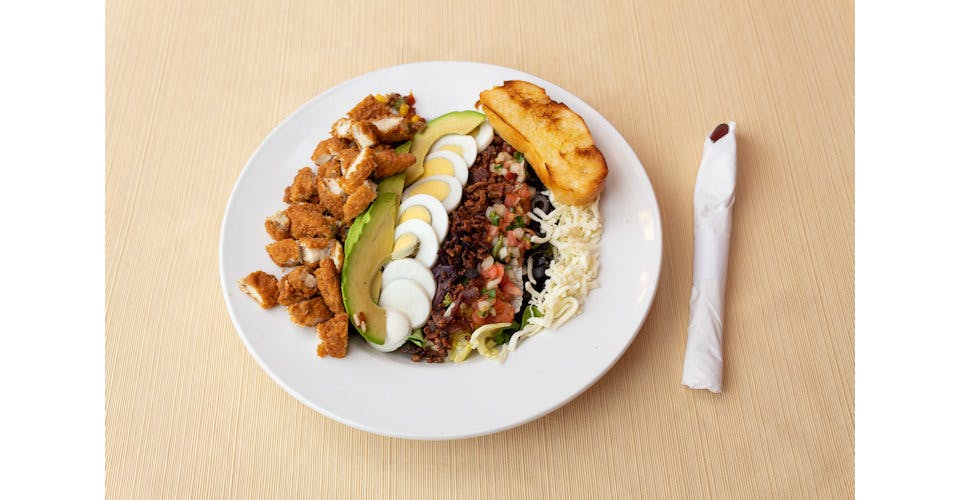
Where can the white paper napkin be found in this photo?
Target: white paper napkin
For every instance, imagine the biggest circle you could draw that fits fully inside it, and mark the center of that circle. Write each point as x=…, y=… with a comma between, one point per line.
x=713, y=198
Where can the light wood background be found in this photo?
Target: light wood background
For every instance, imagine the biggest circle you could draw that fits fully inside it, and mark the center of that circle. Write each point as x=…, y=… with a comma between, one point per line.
x=192, y=89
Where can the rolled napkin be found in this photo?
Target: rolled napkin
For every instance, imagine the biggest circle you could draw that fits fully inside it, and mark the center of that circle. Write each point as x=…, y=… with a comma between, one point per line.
x=712, y=206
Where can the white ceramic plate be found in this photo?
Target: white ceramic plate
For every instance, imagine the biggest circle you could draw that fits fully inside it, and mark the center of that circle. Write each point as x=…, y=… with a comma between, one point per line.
x=387, y=393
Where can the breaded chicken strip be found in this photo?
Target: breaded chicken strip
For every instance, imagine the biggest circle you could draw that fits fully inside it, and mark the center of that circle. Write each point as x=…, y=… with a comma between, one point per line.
x=331, y=169
x=333, y=337
x=262, y=287
x=331, y=196
x=285, y=253
x=359, y=201
x=296, y=286
x=278, y=226
x=307, y=220
x=390, y=161
x=309, y=312
x=360, y=131
x=392, y=129
x=314, y=250
x=328, y=149
x=368, y=109
x=303, y=189
x=328, y=282
x=357, y=171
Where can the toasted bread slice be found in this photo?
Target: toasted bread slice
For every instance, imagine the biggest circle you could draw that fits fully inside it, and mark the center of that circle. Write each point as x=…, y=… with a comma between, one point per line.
x=554, y=139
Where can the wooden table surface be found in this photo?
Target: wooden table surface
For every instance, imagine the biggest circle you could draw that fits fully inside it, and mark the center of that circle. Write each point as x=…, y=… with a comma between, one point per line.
x=192, y=89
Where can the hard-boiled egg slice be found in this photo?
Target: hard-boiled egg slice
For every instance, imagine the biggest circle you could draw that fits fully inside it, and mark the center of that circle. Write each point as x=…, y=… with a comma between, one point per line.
x=483, y=135
x=398, y=329
x=428, y=209
x=463, y=145
x=445, y=162
x=442, y=187
x=404, y=246
x=409, y=298
x=427, y=245
x=410, y=269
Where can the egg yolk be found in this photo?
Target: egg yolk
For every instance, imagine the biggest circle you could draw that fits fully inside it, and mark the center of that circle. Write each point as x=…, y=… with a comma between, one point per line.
x=437, y=166
x=438, y=189
x=404, y=246
x=454, y=148
x=416, y=212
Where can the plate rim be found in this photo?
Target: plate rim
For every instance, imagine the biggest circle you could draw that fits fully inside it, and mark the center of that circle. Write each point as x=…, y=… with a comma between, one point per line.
x=440, y=437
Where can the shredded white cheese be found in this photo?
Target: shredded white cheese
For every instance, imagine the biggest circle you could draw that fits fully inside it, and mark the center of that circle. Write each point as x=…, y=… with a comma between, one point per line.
x=574, y=232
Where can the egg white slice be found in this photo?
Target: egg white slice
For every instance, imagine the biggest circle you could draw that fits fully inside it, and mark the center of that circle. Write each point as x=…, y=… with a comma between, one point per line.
x=409, y=298
x=483, y=135
x=466, y=143
x=449, y=202
x=438, y=215
x=460, y=170
x=428, y=247
x=410, y=269
x=398, y=329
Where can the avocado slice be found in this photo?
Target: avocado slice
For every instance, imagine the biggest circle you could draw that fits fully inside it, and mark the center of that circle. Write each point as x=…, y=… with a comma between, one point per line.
x=392, y=184
x=366, y=249
x=456, y=122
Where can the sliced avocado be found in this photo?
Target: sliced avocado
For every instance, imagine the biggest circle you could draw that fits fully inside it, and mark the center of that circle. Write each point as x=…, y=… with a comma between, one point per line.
x=366, y=249
x=456, y=122
x=392, y=184
x=376, y=285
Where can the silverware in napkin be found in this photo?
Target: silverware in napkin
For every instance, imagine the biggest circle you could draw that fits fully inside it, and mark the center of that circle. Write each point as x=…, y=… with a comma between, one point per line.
x=713, y=197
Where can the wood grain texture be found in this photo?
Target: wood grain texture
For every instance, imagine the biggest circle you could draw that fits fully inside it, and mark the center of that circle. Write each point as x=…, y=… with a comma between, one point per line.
x=192, y=89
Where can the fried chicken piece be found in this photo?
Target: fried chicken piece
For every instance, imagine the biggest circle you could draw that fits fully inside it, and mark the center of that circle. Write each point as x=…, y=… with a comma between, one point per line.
x=341, y=129
x=359, y=201
x=262, y=287
x=278, y=226
x=330, y=195
x=314, y=250
x=304, y=187
x=364, y=133
x=360, y=131
x=328, y=149
x=357, y=171
x=333, y=337
x=393, y=128
x=296, y=286
x=368, y=109
x=390, y=161
x=309, y=312
x=331, y=169
x=328, y=282
x=307, y=220
x=285, y=253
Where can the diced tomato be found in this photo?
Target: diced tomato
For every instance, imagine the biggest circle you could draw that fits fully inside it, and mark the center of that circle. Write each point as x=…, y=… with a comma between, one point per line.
x=510, y=200
x=495, y=271
x=507, y=219
x=509, y=288
x=502, y=313
x=509, y=176
x=411, y=100
x=492, y=232
x=523, y=192
x=478, y=320
x=525, y=196
x=512, y=239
